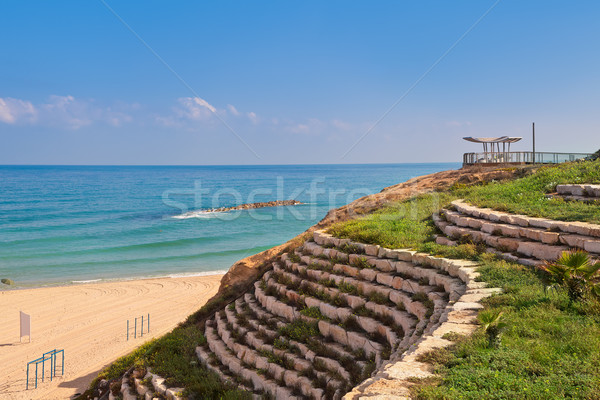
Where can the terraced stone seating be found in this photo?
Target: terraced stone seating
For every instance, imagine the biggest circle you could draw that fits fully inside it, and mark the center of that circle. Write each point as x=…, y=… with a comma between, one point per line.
x=333, y=313
x=518, y=238
x=585, y=193
x=148, y=387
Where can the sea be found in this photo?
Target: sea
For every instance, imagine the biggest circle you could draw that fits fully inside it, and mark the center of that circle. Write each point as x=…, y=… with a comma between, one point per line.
x=62, y=225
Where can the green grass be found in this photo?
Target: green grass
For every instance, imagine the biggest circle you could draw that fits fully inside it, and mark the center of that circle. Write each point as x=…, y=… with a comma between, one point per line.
x=408, y=224
x=527, y=195
x=402, y=225
x=549, y=351
x=299, y=330
x=550, y=348
x=313, y=312
x=173, y=357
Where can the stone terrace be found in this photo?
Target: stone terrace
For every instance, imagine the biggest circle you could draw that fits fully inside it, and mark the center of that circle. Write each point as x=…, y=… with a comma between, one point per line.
x=518, y=238
x=585, y=193
x=338, y=319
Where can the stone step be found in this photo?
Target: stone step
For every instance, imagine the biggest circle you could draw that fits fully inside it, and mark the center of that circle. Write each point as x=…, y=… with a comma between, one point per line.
x=527, y=248
x=503, y=229
x=391, y=300
x=222, y=371
x=341, y=314
x=401, y=318
x=300, y=364
x=355, y=340
x=278, y=372
x=408, y=310
x=338, y=351
x=390, y=278
x=259, y=382
x=582, y=199
x=579, y=190
x=434, y=275
x=395, y=296
x=579, y=228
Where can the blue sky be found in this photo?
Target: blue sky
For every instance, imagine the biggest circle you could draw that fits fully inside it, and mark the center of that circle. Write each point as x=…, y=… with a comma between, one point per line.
x=293, y=82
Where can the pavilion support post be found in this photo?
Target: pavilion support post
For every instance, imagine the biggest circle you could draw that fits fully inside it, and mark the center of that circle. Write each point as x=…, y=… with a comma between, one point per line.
x=533, y=134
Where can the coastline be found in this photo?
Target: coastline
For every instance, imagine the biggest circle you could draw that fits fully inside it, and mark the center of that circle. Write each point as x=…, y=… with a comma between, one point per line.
x=122, y=298
x=72, y=283
x=88, y=321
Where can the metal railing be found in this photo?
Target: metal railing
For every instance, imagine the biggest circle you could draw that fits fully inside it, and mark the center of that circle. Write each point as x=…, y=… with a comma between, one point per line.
x=521, y=157
x=49, y=356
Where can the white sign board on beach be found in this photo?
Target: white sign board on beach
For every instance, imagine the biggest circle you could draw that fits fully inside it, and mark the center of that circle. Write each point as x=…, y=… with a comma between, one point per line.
x=25, y=325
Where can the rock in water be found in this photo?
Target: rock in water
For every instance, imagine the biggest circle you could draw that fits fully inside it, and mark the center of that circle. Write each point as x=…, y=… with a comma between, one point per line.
x=7, y=281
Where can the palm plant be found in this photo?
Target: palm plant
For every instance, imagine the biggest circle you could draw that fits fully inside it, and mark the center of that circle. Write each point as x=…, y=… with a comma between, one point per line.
x=576, y=272
x=492, y=326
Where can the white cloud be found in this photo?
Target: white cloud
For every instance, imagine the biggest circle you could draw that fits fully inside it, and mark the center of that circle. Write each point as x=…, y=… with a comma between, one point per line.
x=233, y=110
x=66, y=110
x=63, y=111
x=204, y=103
x=13, y=111
x=253, y=117
x=74, y=113
x=194, y=108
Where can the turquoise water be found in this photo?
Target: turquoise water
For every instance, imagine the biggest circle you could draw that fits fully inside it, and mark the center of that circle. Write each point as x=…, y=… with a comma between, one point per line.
x=65, y=224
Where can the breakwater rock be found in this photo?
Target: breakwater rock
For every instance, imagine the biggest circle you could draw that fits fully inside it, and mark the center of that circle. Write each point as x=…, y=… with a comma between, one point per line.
x=248, y=206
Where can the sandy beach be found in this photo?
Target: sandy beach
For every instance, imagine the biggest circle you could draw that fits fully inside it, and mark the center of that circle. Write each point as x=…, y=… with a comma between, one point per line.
x=89, y=322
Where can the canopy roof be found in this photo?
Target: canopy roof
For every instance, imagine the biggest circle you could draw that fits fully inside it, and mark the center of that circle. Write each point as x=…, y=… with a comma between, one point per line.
x=501, y=139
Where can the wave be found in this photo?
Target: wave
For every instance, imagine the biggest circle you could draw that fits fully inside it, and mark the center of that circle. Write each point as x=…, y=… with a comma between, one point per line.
x=199, y=214
x=87, y=281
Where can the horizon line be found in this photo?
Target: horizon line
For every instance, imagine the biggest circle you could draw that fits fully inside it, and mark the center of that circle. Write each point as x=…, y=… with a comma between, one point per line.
x=216, y=165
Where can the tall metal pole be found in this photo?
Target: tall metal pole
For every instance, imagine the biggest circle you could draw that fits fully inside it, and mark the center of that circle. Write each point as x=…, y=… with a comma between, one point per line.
x=533, y=132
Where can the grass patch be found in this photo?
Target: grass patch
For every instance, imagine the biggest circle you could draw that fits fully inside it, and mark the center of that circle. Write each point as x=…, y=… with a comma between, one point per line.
x=403, y=225
x=299, y=330
x=549, y=349
x=528, y=195
x=408, y=224
x=173, y=357
x=313, y=312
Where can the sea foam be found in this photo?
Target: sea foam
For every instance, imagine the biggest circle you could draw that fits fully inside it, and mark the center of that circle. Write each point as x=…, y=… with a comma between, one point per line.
x=198, y=214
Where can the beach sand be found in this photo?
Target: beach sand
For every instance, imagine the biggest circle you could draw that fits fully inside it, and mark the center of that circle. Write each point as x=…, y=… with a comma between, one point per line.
x=89, y=322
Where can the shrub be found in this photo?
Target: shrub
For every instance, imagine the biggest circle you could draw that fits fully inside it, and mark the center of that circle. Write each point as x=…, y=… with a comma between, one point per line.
x=313, y=312
x=281, y=344
x=361, y=263
x=378, y=298
x=351, y=249
x=492, y=326
x=295, y=258
x=299, y=330
x=348, y=288
x=575, y=272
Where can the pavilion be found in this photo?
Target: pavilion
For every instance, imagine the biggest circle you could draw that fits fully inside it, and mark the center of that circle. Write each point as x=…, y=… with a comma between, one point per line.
x=504, y=140
x=495, y=154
